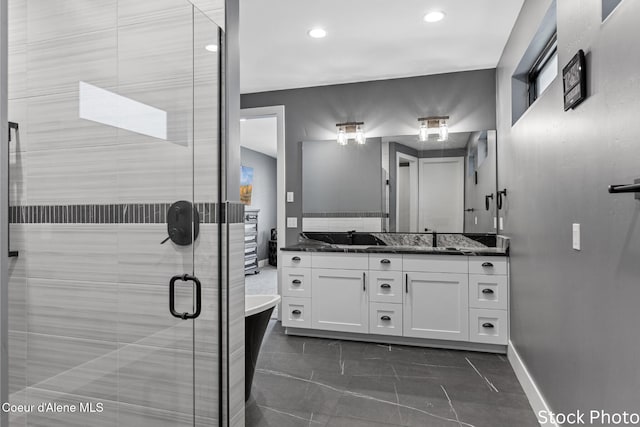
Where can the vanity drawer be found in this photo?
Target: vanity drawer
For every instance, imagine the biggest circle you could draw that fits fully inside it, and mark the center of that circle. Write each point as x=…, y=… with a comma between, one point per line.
x=295, y=259
x=488, y=265
x=385, y=286
x=385, y=262
x=296, y=282
x=385, y=319
x=340, y=260
x=296, y=312
x=435, y=263
x=488, y=326
x=487, y=291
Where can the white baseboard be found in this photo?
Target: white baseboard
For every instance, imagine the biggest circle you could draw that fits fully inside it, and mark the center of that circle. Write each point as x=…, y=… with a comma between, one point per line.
x=537, y=401
x=262, y=262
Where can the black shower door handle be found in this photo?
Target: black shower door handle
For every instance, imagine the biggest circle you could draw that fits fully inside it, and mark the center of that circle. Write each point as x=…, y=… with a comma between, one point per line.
x=172, y=298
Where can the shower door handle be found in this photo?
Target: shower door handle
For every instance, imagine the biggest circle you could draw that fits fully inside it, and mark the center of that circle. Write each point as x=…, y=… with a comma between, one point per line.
x=172, y=299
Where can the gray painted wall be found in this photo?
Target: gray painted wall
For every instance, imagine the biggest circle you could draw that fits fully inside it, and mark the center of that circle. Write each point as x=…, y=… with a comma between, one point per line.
x=339, y=178
x=264, y=194
x=574, y=315
x=388, y=107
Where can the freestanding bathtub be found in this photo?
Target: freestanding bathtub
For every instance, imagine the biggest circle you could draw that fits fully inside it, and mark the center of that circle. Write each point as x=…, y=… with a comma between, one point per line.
x=257, y=312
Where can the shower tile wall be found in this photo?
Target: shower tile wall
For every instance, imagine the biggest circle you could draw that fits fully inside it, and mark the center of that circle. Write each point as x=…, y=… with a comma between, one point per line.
x=88, y=302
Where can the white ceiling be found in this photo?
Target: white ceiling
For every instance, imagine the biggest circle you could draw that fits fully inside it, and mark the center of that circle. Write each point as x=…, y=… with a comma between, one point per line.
x=260, y=134
x=367, y=40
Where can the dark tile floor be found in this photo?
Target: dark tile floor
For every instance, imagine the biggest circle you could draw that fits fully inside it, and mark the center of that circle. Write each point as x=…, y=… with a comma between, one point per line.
x=318, y=382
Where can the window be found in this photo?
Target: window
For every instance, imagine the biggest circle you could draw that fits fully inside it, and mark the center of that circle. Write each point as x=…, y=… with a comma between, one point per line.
x=544, y=69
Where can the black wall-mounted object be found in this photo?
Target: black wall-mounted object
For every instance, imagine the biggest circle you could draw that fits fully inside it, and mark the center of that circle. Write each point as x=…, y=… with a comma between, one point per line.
x=627, y=188
x=574, y=81
x=12, y=126
x=488, y=197
x=500, y=199
x=183, y=223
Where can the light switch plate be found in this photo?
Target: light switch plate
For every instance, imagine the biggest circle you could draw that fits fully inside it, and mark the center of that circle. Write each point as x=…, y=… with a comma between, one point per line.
x=475, y=220
x=289, y=196
x=576, y=237
x=292, y=222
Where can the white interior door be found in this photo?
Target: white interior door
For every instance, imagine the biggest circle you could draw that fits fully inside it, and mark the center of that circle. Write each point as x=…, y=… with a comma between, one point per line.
x=442, y=194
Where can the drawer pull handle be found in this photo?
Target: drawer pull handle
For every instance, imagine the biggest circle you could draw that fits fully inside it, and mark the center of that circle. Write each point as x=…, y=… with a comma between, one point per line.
x=297, y=282
x=487, y=264
x=406, y=283
x=487, y=325
x=364, y=282
x=385, y=261
x=297, y=258
x=385, y=286
x=296, y=312
x=385, y=318
x=487, y=291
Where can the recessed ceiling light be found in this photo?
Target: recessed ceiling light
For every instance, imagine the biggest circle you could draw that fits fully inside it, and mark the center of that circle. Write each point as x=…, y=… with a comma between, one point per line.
x=434, y=16
x=317, y=33
x=212, y=47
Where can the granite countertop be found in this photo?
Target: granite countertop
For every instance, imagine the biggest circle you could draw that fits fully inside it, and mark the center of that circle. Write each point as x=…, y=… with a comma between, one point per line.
x=316, y=246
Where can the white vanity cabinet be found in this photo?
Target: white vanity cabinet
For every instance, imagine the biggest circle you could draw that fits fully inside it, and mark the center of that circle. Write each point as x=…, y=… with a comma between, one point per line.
x=454, y=301
x=436, y=306
x=339, y=300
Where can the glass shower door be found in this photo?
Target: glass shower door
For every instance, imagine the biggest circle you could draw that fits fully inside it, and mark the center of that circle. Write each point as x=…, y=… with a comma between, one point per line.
x=114, y=308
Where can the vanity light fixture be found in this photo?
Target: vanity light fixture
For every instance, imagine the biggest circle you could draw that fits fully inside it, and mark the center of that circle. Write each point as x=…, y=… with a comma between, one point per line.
x=436, y=125
x=351, y=130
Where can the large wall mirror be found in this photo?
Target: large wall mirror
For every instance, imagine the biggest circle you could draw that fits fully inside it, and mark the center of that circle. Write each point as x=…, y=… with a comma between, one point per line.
x=400, y=184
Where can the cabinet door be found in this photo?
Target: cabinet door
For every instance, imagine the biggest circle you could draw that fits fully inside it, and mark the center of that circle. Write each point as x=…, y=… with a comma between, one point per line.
x=436, y=306
x=339, y=300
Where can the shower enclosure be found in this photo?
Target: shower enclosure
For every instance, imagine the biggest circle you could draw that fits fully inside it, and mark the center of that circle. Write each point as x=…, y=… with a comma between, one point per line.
x=117, y=295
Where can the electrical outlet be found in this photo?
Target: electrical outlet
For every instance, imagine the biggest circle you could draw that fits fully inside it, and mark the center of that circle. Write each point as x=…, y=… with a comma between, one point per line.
x=501, y=223
x=289, y=196
x=576, y=237
x=475, y=220
x=495, y=222
x=292, y=222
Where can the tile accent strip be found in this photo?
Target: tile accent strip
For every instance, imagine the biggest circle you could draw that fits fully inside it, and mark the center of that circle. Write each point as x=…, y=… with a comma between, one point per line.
x=126, y=213
x=345, y=215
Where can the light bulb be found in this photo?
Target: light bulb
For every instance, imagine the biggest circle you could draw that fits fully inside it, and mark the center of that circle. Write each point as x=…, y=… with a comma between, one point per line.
x=434, y=16
x=423, y=133
x=443, y=131
x=359, y=137
x=342, y=137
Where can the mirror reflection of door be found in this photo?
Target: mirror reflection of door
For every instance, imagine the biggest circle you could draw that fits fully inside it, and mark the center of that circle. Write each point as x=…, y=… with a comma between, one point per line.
x=407, y=193
x=442, y=194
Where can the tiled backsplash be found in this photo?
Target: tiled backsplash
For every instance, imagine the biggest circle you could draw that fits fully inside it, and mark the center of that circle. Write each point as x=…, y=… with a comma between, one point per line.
x=124, y=213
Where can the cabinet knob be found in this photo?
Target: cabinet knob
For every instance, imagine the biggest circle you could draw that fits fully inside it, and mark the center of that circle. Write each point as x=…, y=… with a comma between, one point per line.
x=385, y=286
x=297, y=282
x=296, y=312
x=297, y=258
x=385, y=261
x=487, y=264
x=487, y=325
x=487, y=291
x=385, y=318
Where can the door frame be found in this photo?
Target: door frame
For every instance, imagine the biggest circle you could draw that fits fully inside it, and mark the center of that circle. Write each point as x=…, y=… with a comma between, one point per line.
x=459, y=161
x=415, y=192
x=276, y=111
